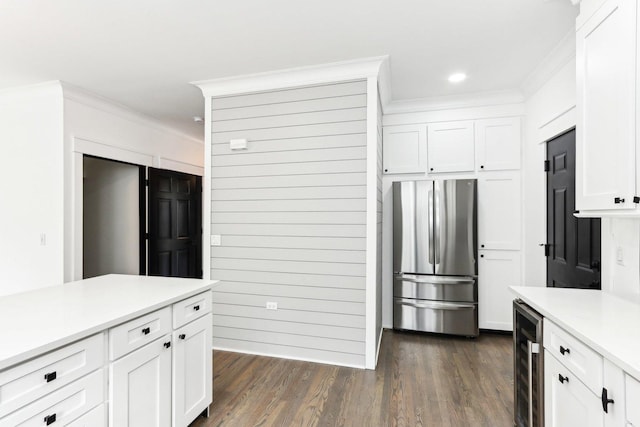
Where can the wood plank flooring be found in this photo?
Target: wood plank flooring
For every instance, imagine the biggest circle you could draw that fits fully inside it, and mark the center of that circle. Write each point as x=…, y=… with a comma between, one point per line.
x=421, y=380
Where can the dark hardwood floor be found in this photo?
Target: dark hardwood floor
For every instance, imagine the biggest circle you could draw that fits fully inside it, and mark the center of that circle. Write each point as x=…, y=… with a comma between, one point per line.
x=421, y=380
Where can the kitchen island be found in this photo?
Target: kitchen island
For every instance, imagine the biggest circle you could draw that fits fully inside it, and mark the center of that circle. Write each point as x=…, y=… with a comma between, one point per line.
x=131, y=341
x=591, y=343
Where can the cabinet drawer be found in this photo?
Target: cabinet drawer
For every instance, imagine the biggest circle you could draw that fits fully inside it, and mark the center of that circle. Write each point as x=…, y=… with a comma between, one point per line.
x=62, y=406
x=31, y=380
x=632, y=388
x=191, y=308
x=137, y=332
x=581, y=360
x=97, y=417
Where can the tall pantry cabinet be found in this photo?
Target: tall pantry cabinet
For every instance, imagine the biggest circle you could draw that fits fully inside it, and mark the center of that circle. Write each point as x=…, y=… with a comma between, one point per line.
x=293, y=179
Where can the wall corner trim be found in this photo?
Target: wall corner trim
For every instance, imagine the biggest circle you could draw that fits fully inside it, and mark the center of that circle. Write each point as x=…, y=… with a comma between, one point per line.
x=295, y=77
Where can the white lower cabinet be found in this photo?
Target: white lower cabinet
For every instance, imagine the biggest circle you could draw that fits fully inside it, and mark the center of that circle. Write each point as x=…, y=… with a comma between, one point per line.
x=497, y=271
x=567, y=401
x=192, y=370
x=140, y=387
x=97, y=417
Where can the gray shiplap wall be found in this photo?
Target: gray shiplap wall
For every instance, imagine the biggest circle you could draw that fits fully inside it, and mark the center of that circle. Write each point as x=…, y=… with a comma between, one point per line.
x=291, y=210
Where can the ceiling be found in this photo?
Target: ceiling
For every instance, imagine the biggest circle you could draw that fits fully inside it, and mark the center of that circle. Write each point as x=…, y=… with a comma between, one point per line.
x=144, y=53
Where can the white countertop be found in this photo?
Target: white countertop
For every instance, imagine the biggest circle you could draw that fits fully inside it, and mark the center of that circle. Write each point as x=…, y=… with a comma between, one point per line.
x=607, y=323
x=35, y=322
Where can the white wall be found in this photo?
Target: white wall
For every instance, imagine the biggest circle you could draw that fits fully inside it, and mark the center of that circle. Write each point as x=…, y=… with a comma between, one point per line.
x=98, y=127
x=111, y=218
x=550, y=110
x=31, y=187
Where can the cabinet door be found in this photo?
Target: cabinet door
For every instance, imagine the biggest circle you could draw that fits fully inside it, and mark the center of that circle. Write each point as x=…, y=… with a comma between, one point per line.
x=605, y=131
x=404, y=149
x=140, y=387
x=497, y=271
x=498, y=144
x=192, y=370
x=614, y=384
x=499, y=212
x=450, y=147
x=568, y=403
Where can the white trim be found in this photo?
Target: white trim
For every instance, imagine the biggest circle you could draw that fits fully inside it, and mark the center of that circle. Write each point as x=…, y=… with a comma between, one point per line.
x=109, y=151
x=557, y=125
x=564, y=52
x=106, y=105
x=179, y=166
x=285, y=356
x=379, y=345
x=37, y=89
x=293, y=77
x=451, y=115
x=206, y=194
x=384, y=85
x=450, y=102
x=372, y=229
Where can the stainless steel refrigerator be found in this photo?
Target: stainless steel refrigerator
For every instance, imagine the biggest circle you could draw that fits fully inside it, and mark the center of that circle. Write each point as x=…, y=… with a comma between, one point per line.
x=435, y=252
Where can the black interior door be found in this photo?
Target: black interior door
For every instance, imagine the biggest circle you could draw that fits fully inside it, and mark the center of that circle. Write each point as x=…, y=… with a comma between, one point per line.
x=175, y=224
x=573, y=252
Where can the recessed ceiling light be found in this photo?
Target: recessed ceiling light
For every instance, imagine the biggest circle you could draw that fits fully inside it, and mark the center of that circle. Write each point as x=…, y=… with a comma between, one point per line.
x=457, y=77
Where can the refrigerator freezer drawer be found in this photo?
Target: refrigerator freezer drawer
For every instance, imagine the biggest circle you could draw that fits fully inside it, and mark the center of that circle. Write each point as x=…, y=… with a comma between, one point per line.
x=436, y=316
x=435, y=288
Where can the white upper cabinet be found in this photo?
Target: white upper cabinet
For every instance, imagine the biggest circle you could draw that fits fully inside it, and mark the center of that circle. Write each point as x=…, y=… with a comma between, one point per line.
x=404, y=149
x=450, y=147
x=498, y=144
x=499, y=213
x=606, y=105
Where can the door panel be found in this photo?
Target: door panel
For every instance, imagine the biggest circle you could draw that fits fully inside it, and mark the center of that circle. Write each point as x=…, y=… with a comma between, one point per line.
x=175, y=224
x=574, y=252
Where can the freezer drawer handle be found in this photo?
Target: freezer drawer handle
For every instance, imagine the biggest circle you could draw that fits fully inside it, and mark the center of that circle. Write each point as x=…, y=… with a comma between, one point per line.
x=437, y=306
x=461, y=281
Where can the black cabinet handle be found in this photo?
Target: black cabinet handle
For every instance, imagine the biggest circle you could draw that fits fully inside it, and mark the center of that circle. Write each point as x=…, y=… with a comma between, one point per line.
x=167, y=344
x=430, y=169
x=481, y=166
x=196, y=307
x=562, y=379
x=564, y=350
x=386, y=170
x=146, y=331
x=618, y=200
x=51, y=376
x=482, y=246
x=50, y=419
x=605, y=400
x=482, y=256
x=182, y=336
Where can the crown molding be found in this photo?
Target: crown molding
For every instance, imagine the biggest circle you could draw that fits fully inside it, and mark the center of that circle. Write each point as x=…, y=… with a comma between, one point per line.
x=78, y=94
x=451, y=102
x=52, y=87
x=564, y=52
x=300, y=76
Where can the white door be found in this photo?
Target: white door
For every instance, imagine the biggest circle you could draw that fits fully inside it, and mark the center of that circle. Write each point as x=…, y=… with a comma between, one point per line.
x=450, y=147
x=499, y=212
x=404, y=149
x=568, y=402
x=497, y=271
x=498, y=144
x=140, y=387
x=192, y=370
x=606, y=97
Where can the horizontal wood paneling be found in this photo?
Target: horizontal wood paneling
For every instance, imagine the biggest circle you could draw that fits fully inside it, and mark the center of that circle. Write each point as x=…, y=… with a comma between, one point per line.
x=289, y=254
x=292, y=291
x=293, y=193
x=294, y=107
x=317, y=318
x=313, y=205
x=333, y=230
x=278, y=145
x=346, y=243
x=289, y=95
x=291, y=212
x=303, y=279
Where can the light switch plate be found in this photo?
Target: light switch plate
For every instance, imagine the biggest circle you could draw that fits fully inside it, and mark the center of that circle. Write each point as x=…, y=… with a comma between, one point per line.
x=216, y=240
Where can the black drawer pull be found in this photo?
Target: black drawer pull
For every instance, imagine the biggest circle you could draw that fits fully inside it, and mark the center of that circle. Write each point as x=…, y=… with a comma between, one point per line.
x=562, y=379
x=196, y=307
x=605, y=400
x=146, y=331
x=182, y=336
x=564, y=350
x=618, y=200
x=167, y=344
x=51, y=376
x=50, y=419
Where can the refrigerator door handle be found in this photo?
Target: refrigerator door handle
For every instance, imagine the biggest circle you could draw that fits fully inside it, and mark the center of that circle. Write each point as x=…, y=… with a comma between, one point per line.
x=436, y=230
x=438, y=305
x=430, y=226
x=437, y=280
